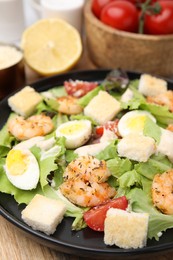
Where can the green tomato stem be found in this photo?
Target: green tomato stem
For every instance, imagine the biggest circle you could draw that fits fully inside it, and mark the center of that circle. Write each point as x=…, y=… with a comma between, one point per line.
x=144, y=8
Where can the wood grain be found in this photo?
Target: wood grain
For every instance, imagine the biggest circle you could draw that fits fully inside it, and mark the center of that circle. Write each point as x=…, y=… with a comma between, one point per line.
x=130, y=51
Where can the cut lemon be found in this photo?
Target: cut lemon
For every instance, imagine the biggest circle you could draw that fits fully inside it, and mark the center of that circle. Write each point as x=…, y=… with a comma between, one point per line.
x=51, y=46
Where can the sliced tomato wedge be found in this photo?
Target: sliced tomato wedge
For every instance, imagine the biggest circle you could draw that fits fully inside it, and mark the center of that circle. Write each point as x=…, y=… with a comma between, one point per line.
x=110, y=125
x=95, y=217
x=79, y=88
x=99, y=130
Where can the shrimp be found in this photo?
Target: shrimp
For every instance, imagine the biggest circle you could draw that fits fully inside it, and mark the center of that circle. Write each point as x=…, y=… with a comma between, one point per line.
x=162, y=192
x=85, y=182
x=162, y=99
x=170, y=127
x=68, y=105
x=37, y=125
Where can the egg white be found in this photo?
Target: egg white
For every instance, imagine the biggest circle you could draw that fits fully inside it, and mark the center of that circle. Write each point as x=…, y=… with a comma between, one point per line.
x=29, y=178
x=76, y=132
x=133, y=122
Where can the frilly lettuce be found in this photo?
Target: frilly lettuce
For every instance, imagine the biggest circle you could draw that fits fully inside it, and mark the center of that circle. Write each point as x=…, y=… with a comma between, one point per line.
x=158, y=222
x=134, y=179
x=138, y=101
x=6, y=139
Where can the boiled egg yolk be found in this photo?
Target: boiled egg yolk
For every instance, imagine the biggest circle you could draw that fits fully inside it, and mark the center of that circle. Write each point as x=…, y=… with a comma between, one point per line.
x=22, y=169
x=76, y=132
x=133, y=122
x=17, y=162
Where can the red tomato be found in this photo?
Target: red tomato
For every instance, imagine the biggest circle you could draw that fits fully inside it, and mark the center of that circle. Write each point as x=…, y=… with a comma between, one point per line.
x=95, y=217
x=121, y=15
x=112, y=126
x=78, y=88
x=99, y=130
x=97, y=6
x=161, y=23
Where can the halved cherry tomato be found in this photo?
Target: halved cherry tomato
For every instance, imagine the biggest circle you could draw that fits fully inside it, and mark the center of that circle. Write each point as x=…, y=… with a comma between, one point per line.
x=78, y=88
x=99, y=130
x=95, y=217
x=161, y=23
x=121, y=15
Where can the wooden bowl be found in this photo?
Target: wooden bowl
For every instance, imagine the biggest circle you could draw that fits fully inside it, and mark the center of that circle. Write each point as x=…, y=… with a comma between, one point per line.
x=111, y=48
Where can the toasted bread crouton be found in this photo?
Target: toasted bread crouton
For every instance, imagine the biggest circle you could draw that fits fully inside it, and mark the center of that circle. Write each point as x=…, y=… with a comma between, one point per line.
x=165, y=145
x=102, y=108
x=25, y=101
x=125, y=229
x=136, y=147
x=44, y=214
x=151, y=86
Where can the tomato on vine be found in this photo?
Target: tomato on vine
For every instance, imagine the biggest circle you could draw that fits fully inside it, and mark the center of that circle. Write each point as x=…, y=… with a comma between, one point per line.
x=162, y=22
x=97, y=6
x=121, y=15
x=142, y=16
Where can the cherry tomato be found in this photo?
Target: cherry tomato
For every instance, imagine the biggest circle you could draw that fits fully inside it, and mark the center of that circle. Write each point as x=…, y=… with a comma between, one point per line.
x=97, y=6
x=99, y=130
x=95, y=217
x=112, y=126
x=161, y=23
x=121, y=15
x=78, y=88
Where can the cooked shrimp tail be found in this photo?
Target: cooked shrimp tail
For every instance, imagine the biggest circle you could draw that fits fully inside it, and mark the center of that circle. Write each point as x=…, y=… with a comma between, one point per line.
x=163, y=99
x=69, y=105
x=37, y=125
x=85, y=182
x=162, y=192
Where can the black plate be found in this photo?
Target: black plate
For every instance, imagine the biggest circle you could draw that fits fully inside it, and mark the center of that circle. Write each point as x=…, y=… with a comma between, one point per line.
x=86, y=243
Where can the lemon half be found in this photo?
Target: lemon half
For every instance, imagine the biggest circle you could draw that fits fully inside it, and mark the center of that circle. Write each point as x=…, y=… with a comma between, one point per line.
x=51, y=46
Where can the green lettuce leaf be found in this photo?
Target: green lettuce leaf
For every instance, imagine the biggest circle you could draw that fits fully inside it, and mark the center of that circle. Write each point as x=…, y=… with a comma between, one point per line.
x=151, y=129
x=136, y=100
x=158, y=222
x=6, y=139
x=82, y=117
x=21, y=196
x=109, y=152
x=161, y=113
x=129, y=179
x=42, y=107
x=52, y=103
x=156, y=164
x=119, y=166
x=58, y=91
x=4, y=151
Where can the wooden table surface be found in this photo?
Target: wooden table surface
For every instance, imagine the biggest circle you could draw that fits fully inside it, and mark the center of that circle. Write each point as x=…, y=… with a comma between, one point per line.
x=14, y=245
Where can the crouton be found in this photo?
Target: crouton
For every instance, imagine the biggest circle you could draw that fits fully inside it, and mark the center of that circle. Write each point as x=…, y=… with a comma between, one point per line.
x=25, y=101
x=125, y=229
x=102, y=108
x=151, y=86
x=44, y=214
x=136, y=147
x=165, y=145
